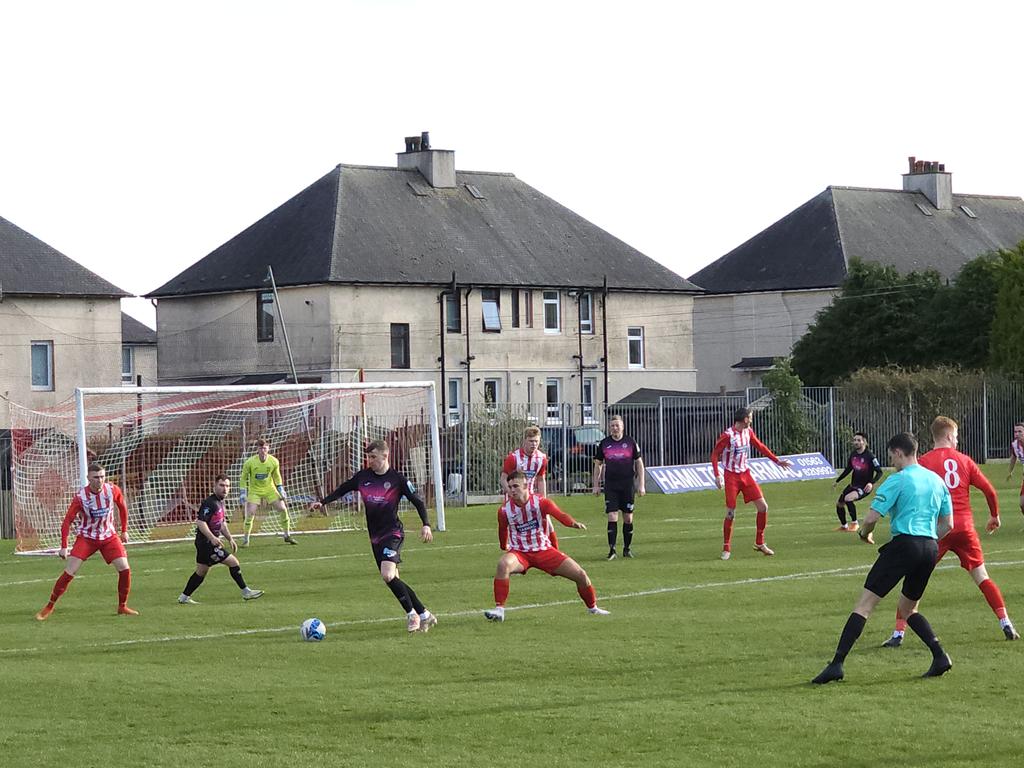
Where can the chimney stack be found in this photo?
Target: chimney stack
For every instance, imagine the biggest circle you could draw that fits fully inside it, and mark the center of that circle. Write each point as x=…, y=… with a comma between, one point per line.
x=931, y=179
x=437, y=166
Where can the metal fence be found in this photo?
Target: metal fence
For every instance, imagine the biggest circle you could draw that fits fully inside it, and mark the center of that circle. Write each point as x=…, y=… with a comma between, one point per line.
x=683, y=429
x=6, y=498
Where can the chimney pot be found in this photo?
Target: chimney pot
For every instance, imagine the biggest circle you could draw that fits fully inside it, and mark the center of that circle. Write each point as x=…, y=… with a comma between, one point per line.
x=425, y=139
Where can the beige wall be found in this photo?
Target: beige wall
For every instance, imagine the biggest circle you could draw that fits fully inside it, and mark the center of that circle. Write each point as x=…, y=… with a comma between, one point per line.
x=730, y=327
x=144, y=364
x=207, y=337
x=86, y=336
x=335, y=330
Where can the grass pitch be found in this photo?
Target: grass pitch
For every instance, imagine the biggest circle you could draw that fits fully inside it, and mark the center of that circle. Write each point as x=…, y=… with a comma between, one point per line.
x=702, y=662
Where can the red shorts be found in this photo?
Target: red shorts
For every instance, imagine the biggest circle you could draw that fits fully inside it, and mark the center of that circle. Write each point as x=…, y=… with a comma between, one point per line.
x=546, y=560
x=741, y=482
x=111, y=548
x=964, y=543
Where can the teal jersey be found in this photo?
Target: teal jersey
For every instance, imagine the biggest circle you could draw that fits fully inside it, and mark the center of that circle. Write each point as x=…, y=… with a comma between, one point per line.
x=913, y=499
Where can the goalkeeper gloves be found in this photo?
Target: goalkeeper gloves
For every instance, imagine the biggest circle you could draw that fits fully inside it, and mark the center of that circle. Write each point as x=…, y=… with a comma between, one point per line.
x=242, y=495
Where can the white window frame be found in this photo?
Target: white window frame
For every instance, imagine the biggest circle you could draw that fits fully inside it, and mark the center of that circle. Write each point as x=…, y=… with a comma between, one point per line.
x=48, y=346
x=635, y=334
x=496, y=383
x=454, y=403
x=128, y=375
x=589, y=394
x=490, y=309
x=553, y=410
x=554, y=299
x=587, y=325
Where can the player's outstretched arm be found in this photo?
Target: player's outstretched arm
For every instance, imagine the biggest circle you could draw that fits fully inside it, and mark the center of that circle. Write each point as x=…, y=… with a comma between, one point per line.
x=1013, y=463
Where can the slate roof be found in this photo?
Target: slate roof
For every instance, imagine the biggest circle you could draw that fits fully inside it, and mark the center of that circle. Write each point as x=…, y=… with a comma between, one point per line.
x=372, y=225
x=30, y=267
x=134, y=332
x=811, y=247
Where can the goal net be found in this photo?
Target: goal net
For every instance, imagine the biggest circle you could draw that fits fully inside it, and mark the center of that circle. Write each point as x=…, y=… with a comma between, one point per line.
x=165, y=445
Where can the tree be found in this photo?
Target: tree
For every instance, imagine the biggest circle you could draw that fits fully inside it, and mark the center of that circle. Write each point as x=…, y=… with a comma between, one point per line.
x=889, y=305
x=794, y=430
x=913, y=321
x=1007, y=336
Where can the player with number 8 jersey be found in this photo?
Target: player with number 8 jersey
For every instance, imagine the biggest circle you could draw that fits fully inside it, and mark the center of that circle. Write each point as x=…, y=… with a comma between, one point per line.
x=959, y=473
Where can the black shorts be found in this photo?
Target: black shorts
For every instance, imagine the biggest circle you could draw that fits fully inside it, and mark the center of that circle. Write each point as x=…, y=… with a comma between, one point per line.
x=619, y=497
x=208, y=554
x=911, y=558
x=861, y=493
x=388, y=549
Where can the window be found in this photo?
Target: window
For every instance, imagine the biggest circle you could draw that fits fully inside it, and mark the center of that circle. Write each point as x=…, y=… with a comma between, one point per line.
x=127, y=365
x=492, y=391
x=586, y=313
x=399, y=345
x=454, y=400
x=42, y=366
x=491, y=298
x=528, y=309
x=636, y=347
x=529, y=396
x=553, y=401
x=453, y=312
x=552, y=312
x=589, y=388
x=265, y=316
x=515, y=307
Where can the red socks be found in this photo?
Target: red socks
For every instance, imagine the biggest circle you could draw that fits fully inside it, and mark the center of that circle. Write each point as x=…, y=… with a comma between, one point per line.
x=62, y=584
x=994, y=597
x=762, y=523
x=727, y=534
x=500, y=591
x=124, y=585
x=901, y=623
x=588, y=594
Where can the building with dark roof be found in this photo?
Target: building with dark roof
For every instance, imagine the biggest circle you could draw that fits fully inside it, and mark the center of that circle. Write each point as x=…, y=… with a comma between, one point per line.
x=762, y=295
x=61, y=322
x=476, y=280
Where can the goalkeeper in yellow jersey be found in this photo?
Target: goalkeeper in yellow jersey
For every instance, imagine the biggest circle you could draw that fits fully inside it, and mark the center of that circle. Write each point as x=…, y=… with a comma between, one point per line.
x=261, y=482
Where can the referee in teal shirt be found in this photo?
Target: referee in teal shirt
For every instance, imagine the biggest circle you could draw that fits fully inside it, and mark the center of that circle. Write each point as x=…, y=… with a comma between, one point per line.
x=920, y=513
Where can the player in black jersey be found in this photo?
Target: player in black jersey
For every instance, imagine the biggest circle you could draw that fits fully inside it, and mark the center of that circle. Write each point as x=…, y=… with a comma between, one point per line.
x=866, y=472
x=210, y=526
x=618, y=459
x=382, y=489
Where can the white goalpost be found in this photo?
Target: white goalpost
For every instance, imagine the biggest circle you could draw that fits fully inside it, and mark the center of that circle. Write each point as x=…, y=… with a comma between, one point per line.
x=165, y=445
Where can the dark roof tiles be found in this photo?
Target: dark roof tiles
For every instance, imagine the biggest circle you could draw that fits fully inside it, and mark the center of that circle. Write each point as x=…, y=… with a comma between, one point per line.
x=811, y=247
x=361, y=224
x=28, y=266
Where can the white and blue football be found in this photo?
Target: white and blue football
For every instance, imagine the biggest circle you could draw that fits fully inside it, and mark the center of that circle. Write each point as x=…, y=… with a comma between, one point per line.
x=313, y=630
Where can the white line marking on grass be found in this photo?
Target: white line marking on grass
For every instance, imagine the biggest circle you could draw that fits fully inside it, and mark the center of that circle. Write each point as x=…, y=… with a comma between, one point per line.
x=831, y=572
x=363, y=555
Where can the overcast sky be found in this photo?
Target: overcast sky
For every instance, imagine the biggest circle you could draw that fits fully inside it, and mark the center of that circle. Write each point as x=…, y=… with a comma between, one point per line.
x=136, y=137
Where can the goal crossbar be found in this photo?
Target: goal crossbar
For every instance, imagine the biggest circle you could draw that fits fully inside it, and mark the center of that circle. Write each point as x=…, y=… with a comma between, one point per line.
x=156, y=434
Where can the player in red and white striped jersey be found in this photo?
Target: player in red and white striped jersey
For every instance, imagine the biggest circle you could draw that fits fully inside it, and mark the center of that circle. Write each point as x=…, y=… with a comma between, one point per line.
x=959, y=472
x=1017, y=457
x=93, y=507
x=529, y=459
x=522, y=533
x=733, y=447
